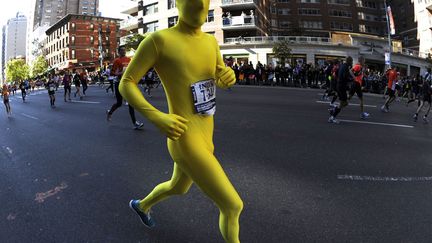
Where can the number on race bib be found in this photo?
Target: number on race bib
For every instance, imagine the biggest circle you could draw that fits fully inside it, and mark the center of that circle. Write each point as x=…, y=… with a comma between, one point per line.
x=204, y=97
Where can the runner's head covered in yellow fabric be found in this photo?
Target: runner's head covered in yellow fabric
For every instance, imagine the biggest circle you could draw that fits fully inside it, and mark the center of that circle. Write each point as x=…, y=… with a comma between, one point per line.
x=193, y=12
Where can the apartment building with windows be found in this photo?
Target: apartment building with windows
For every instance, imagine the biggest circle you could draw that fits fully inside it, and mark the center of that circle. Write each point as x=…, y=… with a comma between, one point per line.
x=82, y=42
x=46, y=13
x=423, y=18
x=13, y=40
x=318, y=30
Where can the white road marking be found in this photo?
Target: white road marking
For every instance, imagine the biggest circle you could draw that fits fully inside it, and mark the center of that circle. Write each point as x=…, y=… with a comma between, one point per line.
x=377, y=123
x=85, y=102
x=383, y=178
x=28, y=116
x=353, y=104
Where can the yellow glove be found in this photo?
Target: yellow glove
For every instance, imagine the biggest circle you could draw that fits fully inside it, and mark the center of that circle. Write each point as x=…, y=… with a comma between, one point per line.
x=172, y=125
x=225, y=77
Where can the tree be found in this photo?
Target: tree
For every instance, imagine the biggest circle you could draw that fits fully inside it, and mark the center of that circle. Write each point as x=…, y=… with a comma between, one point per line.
x=133, y=41
x=17, y=70
x=282, y=51
x=39, y=66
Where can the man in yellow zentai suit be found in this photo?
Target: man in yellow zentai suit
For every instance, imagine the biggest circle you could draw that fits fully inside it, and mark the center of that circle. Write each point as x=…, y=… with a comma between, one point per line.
x=189, y=64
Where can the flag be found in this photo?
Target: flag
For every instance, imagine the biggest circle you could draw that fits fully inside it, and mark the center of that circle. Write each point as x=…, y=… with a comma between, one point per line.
x=391, y=21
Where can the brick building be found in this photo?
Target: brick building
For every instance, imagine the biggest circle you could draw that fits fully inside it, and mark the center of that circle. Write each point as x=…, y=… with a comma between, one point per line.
x=76, y=42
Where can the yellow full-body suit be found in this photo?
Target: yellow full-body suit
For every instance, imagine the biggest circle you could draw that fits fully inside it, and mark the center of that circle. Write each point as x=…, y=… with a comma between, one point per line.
x=183, y=56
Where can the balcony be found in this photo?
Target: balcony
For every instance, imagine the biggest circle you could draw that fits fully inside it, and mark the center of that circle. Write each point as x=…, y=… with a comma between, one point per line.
x=238, y=4
x=274, y=39
x=308, y=40
x=239, y=22
x=131, y=8
x=429, y=5
x=129, y=24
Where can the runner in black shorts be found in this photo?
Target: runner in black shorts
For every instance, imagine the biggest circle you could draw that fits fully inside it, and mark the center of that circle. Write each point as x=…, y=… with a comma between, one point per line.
x=425, y=96
x=344, y=77
x=356, y=88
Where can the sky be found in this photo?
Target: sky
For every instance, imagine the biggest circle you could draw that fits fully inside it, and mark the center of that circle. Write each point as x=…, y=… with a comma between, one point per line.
x=109, y=8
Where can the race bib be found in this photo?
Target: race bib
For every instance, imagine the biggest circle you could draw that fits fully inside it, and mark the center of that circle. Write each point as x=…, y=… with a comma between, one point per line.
x=51, y=88
x=204, y=97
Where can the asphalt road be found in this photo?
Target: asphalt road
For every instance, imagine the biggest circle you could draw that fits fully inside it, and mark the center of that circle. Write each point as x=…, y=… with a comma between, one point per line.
x=67, y=175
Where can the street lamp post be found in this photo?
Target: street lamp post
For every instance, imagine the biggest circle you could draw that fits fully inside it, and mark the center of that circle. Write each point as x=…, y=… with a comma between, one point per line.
x=388, y=35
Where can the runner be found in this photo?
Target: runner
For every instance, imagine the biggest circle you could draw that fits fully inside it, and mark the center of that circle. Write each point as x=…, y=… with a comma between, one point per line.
x=5, y=95
x=344, y=78
x=67, y=85
x=392, y=77
x=77, y=82
x=51, y=86
x=119, y=66
x=190, y=68
x=425, y=95
x=356, y=88
x=23, y=91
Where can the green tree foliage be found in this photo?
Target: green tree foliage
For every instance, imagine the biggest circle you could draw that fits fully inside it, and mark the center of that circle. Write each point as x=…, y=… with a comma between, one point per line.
x=17, y=70
x=282, y=51
x=39, y=66
x=133, y=41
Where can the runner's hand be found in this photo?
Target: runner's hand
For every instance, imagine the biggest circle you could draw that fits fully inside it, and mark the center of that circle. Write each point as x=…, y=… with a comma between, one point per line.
x=172, y=125
x=225, y=77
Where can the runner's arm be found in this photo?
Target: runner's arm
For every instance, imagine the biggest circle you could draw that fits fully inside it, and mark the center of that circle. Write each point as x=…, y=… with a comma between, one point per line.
x=172, y=125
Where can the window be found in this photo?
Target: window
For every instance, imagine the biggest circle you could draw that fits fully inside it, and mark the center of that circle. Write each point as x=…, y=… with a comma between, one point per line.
x=284, y=24
x=210, y=16
x=311, y=24
x=151, y=9
x=91, y=40
x=340, y=13
x=283, y=11
x=342, y=2
x=171, y=4
x=172, y=21
x=91, y=26
x=151, y=27
x=309, y=11
x=73, y=54
x=73, y=40
x=73, y=26
x=341, y=26
x=366, y=4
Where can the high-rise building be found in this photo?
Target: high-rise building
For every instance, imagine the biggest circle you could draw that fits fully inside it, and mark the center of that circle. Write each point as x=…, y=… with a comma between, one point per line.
x=3, y=51
x=423, y=17
x=46, y=13
x=317, y=30
x=406, y=27
x=14, y=39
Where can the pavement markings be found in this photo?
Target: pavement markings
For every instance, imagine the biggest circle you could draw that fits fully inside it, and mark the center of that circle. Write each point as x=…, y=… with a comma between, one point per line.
x=28, y=116
x=353, y=104
x=378, y=123
x=85, y=102
x=384, y=178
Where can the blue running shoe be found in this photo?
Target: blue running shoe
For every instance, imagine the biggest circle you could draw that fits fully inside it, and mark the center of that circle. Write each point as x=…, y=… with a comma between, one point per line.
x=146, y=219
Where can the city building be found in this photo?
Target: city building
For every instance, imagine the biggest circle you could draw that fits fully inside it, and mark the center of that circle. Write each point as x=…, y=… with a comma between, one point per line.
x=82, y=42
x=134, y=21
x=423, y=17
x=2, y=53
x=13, y=40
x=406, y=27
x=46, y=13
x=318, y=30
